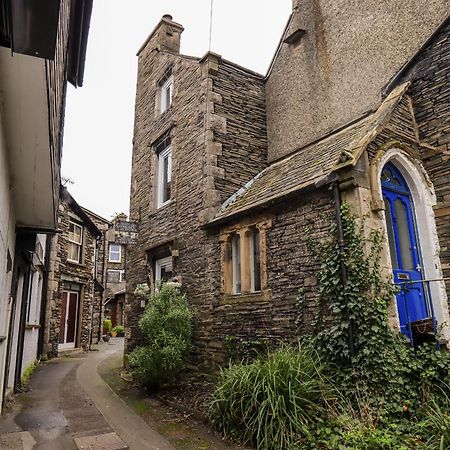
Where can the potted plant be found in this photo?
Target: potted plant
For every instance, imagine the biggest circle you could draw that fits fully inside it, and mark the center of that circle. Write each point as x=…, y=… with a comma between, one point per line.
x=107, y=325
x=118, y=330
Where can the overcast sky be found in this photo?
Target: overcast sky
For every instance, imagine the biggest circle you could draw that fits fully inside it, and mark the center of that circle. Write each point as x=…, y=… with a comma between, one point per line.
x=99, y=116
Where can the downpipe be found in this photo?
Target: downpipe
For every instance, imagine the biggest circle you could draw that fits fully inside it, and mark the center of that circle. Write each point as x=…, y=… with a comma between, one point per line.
x=341, y=247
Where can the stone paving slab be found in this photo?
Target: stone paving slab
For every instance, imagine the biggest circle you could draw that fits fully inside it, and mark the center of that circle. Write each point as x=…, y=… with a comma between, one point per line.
x=22, y=440
x=108, y=441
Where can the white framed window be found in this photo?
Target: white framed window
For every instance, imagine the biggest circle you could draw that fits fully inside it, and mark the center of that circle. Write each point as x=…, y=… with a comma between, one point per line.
x=115, y=252
x=165, y=92
x=164, y=176
x=75, y=242
x=163, y=270
x=236, y=262
x=115, y=276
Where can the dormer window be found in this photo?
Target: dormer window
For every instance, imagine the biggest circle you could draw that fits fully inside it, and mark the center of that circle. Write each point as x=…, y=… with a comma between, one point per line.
x=165, y=92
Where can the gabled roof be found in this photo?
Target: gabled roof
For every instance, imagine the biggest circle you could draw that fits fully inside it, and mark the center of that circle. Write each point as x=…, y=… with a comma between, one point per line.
x=80, y=212
x=311, y=166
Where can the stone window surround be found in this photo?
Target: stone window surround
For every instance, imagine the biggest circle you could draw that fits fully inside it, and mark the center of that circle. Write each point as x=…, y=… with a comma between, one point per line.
x=80, y=244
x=243, y=228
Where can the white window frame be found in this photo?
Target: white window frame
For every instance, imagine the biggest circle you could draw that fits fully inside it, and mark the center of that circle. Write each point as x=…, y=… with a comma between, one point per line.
x=120, y=253
x=79, y=244
x=164, y=88
x=167, y=152
x=160, y=264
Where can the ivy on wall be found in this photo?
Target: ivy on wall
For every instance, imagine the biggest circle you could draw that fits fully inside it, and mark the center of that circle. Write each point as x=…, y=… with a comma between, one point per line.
x=380, y=364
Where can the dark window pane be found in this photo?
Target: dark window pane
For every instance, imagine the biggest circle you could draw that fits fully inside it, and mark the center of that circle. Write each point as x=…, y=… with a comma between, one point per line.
x=404, y=236
x=256, y=260
x=236, y=257
x=390, y=232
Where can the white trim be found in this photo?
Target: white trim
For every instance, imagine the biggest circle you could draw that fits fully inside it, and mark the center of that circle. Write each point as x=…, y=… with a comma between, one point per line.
x=167, y=152
x=160, y=264
x=78, y=244
x=424, y=199
x=120, y=253
x=165, y=87
x=66, y=344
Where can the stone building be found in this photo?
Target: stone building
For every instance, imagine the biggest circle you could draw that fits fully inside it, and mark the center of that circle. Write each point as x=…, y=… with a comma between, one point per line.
x=42, y=48
x=230, y=167
x=115, y=262
x=74, y=305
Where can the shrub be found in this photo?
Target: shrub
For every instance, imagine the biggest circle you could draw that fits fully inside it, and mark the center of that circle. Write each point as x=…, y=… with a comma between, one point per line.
x=119, y=329
x=166, y=327
x=272, y=402
x=107, y=325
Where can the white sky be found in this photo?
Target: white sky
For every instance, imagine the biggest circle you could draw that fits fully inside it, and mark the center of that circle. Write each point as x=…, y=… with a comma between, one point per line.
x=99, y=117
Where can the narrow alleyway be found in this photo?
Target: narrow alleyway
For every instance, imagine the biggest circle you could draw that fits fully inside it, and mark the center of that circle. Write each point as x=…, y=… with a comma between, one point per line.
x=69, y=406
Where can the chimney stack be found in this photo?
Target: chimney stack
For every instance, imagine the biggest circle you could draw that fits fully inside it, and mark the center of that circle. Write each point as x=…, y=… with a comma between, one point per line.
x=165, y=37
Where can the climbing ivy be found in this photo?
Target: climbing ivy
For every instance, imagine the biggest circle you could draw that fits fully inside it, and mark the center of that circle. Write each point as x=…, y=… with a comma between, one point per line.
x=380, y=365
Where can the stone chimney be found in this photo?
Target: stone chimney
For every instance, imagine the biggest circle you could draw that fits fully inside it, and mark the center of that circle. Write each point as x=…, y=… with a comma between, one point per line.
x=165, y=37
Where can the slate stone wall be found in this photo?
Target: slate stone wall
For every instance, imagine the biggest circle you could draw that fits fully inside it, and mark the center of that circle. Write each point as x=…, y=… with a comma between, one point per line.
x=291, y=265
x=241, y=101
x=62, y=270
x=175, y=225
x=218, y=134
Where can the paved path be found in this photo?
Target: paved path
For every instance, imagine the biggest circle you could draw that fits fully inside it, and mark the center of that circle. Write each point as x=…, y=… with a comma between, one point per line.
x=129, y=426
x=67, y=400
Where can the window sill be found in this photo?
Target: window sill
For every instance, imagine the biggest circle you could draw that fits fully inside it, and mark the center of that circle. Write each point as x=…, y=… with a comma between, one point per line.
x=163, y=207
x=30, y=326
x=74, y=263
x=231, y=299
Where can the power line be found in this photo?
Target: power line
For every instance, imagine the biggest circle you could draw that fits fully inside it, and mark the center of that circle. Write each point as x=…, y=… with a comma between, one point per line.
x=210, y=23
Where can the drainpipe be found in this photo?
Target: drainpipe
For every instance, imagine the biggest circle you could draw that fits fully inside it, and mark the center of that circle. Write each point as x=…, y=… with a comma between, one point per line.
x=341, y=246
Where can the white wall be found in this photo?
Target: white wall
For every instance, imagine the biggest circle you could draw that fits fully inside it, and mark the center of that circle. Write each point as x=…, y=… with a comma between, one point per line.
x=7, y=242
x=33, y=312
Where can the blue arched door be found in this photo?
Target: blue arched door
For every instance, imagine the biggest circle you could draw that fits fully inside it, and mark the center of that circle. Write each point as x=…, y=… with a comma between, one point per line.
x=404, y=247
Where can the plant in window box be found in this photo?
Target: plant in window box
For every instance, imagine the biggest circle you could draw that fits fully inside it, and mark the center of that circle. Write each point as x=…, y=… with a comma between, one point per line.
x=107, y=325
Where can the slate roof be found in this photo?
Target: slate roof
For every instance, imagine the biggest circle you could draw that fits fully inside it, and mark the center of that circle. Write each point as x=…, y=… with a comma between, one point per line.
x=312, y=165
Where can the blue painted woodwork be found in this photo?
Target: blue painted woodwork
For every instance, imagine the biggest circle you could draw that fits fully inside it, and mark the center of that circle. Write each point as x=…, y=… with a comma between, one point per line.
x=412, y=301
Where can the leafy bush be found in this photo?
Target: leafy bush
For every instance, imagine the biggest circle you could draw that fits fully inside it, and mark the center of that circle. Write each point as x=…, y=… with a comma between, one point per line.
x=166, y=327
x=107, y=325
x=274, y=401
x=119, y=329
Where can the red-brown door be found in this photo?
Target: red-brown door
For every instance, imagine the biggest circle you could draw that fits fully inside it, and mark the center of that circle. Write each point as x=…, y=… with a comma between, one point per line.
x=68, y=322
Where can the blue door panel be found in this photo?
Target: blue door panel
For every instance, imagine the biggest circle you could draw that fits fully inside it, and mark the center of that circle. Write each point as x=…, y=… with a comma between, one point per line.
x=411, y=300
